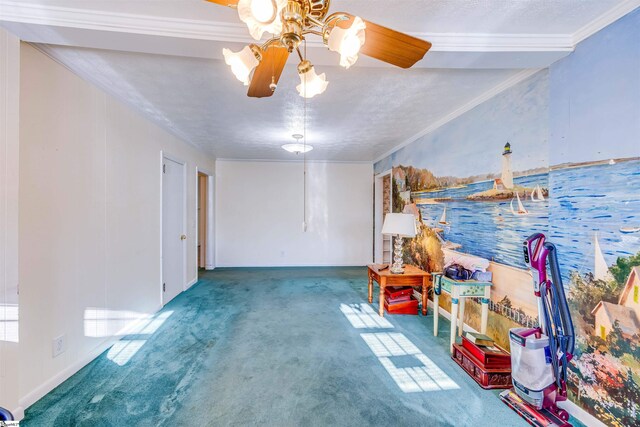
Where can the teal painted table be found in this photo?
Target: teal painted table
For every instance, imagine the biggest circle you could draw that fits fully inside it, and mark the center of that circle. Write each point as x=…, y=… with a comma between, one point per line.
x=459, y=291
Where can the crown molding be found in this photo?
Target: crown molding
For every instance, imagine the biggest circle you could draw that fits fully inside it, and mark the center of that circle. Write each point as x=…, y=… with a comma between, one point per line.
x=605, y=20
x=39, y=14
x=347, y=162
x=521, y=76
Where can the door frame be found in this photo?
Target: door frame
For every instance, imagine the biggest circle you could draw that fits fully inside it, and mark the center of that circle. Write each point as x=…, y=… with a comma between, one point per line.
x=377, y=216
x=209, y=257
x=168, y=156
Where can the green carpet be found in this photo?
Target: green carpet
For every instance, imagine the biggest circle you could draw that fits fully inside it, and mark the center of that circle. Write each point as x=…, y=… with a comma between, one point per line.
x=275, y=347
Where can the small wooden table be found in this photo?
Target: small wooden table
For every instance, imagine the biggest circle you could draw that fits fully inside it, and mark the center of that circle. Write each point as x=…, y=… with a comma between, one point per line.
x=412, y=276
x=459, y=291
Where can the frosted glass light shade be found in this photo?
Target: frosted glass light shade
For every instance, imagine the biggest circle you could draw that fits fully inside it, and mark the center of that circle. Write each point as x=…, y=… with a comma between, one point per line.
x=347, y=42
x=398, y=224
x=311, y=84
x=261, y=16
x=297, y=148
x=241, y=63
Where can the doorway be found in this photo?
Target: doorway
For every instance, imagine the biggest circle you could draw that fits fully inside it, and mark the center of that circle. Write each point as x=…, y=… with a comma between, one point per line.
x=383, y=205
x=174, y=255
x=202, y=219
x=205, y=221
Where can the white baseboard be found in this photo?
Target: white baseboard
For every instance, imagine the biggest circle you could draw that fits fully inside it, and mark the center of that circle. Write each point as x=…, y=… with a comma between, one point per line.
x=39, y=392
x=580, y=414
x=18, y=413
x=191, y=283
x=209, y=267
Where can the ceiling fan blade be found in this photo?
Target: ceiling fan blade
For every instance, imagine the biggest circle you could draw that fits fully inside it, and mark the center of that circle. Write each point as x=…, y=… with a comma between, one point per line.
x=390, y=46
x=230, y=3
x=270, y=68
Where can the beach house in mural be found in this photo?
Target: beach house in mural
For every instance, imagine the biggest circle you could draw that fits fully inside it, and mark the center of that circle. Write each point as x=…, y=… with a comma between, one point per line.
x=505, y=182
x=626, y=312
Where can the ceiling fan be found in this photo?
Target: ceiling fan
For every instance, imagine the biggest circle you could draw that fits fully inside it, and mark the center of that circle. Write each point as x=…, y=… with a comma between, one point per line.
x=289, y=22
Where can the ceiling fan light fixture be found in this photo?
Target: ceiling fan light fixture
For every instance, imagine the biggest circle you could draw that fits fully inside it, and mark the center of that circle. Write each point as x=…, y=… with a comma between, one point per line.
x=243, y=62
x=261, y=16
x=297, y=148
x=348, y=41
x=311, y=84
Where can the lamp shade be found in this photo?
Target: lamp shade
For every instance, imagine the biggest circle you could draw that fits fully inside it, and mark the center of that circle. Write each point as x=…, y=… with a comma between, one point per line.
x=297, y=148
x=241, y=63
x=347, y=42
x=311, y=84
x=397, y=224
x=261, y=16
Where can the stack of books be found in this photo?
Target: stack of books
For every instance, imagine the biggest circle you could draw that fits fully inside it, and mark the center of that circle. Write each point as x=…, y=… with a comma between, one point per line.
x=485, y=362
x=400, y=300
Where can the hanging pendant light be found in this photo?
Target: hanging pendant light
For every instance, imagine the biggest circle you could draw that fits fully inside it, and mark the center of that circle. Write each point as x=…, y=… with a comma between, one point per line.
x=243, y=62
x=348, y=41
x=297, y=147
x=311, y=84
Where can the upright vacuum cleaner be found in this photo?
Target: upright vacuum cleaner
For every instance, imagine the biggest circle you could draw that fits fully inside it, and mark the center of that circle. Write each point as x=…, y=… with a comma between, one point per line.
x=540, y=356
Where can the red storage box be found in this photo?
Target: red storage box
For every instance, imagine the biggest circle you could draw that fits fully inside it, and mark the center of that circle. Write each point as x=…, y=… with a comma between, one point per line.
x=404, y=307
x=489, y=357
x=393, y=292
x=401, y=298
x=487, y=378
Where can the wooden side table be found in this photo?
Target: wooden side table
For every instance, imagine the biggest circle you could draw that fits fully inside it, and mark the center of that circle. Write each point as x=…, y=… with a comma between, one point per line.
x=412, y=276
x=459, y=291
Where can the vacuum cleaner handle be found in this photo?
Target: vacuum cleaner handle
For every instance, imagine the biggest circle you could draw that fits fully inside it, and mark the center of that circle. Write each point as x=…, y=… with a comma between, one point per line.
x=563, y=305
x=535, y=256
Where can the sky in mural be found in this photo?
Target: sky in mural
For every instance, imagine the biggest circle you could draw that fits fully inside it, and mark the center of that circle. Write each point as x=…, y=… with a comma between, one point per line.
x=595, y=103
x=459, y=148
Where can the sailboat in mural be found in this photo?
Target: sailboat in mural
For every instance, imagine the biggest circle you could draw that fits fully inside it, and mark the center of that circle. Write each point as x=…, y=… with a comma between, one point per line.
x=536, y=194
x=601, y=269
x=443, y=218
x=629, y=230
x=521, y=209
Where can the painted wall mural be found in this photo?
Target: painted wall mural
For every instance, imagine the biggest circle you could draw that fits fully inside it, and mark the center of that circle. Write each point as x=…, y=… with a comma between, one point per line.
x=559, y=153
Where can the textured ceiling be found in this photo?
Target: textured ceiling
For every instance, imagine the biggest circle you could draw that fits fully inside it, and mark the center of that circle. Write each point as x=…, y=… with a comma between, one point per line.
x=363, y=113
x=366, y=111
x=430, y=16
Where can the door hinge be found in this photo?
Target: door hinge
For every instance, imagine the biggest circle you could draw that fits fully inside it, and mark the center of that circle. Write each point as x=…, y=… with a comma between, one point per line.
x=164, y=168
x=164, y=287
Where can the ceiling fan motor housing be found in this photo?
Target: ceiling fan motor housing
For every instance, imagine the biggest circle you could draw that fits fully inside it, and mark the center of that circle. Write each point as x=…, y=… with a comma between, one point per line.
x=293, y=16
x=318, y=9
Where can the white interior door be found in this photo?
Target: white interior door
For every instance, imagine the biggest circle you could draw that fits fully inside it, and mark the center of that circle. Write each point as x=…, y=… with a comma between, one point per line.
x=173, y=229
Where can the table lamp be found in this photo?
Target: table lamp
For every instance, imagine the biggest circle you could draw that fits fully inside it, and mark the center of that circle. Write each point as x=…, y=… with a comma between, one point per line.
x=399, y=225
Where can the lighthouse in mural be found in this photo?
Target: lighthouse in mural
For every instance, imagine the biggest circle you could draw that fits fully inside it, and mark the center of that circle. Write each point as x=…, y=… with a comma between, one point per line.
x=507, y=173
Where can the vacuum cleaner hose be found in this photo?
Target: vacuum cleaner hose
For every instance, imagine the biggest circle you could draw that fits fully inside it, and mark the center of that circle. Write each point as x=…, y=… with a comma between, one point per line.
x=561, y=298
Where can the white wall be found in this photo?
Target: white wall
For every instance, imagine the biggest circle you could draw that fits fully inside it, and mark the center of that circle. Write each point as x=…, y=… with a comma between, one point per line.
x=9, y=151
x=89, y=218
x=259, y=214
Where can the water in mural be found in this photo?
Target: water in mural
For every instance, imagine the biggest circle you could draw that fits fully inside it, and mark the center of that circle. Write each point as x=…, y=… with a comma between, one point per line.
x=491, y=230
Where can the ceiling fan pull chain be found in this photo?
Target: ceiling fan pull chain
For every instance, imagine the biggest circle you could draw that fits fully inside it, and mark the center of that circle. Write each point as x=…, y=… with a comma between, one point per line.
x=304, y=152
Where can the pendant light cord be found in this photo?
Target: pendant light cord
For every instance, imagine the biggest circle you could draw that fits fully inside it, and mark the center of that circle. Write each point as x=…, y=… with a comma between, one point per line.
x=304, y=152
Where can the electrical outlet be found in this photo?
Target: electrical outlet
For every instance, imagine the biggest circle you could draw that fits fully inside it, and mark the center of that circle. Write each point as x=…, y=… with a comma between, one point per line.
x=59, y=345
